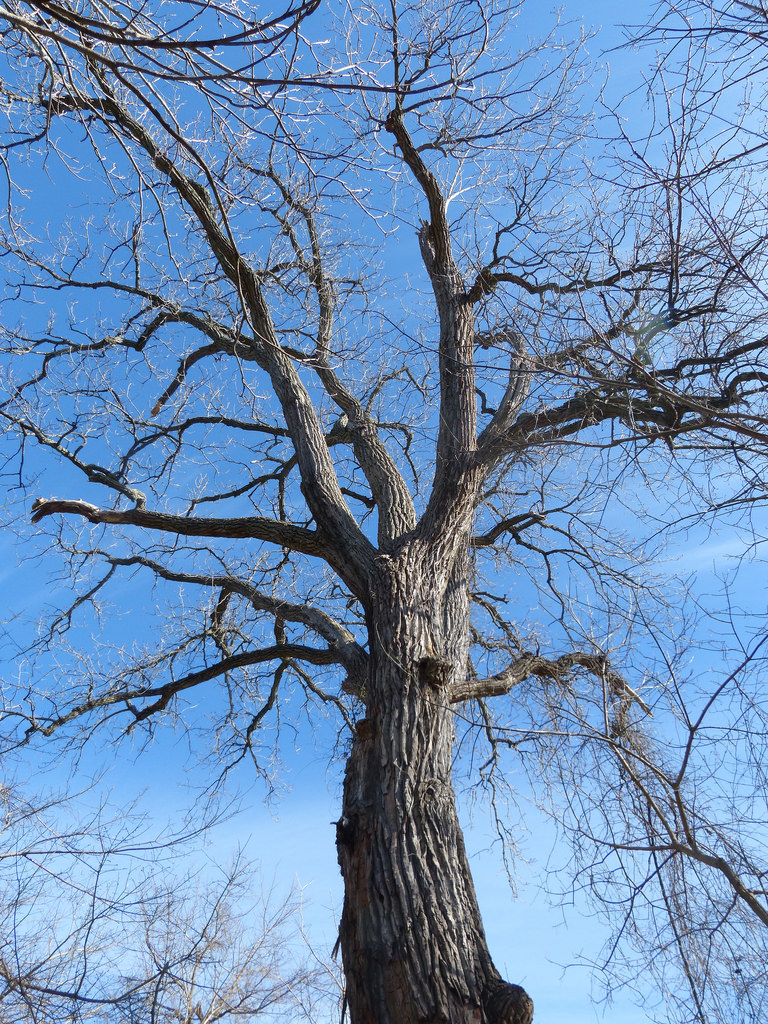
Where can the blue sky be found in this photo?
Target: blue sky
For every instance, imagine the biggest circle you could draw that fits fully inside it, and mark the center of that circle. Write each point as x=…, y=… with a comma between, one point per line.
x=293, y=838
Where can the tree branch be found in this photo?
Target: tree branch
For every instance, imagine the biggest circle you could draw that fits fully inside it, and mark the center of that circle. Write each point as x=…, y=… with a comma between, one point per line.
x=347, y=549
x=164, y=693
x=297, y=538
x=529, y=664
x=350, y=654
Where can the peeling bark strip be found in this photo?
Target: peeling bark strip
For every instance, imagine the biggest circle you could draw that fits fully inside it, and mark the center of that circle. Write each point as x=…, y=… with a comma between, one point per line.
x=412, y=940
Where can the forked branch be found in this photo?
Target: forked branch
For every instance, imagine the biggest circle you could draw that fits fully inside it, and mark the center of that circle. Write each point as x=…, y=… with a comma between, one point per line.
x=558, y=669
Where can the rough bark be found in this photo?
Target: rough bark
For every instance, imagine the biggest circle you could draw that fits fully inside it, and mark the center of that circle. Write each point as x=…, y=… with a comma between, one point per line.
x=411, y=936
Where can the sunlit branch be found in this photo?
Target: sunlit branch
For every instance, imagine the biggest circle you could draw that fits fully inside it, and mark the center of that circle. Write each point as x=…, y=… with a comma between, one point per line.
x=272, y=531
x=350, y=654
x=557, y=669
x=348, y=547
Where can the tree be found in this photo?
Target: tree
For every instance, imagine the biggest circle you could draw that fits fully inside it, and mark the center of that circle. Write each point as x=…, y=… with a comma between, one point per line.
x=353, y=281
x=99, y=924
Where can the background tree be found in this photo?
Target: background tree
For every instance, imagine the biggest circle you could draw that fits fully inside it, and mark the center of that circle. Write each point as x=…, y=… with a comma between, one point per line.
x=355, y=342
x=100, y=924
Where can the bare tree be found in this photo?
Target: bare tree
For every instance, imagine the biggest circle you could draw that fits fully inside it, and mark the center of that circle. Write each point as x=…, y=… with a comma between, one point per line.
x=98, y=923
x=358, y=340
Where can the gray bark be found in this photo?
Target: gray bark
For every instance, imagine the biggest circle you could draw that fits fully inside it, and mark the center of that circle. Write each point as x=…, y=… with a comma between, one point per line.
x=411, y=936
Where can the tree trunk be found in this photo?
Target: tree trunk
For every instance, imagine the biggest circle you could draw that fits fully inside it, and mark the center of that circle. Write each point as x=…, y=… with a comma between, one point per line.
x=411, y=936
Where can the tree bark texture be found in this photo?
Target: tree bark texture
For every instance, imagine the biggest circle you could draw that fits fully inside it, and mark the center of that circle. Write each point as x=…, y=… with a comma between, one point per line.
x=412, y=940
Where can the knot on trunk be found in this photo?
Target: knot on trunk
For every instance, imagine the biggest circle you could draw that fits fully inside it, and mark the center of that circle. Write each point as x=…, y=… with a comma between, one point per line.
x=435, y=672
x=507, y=1004
x=346, y=830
